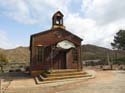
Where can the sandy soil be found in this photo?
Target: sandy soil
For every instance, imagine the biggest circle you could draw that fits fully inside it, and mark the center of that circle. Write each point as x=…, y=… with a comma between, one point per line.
x=104, y=82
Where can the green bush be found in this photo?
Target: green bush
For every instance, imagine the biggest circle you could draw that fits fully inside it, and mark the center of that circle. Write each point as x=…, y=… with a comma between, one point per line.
x=3, y=58
x=119, y=61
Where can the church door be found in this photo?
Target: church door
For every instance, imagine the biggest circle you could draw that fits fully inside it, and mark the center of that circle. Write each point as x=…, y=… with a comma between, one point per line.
x=59, y=61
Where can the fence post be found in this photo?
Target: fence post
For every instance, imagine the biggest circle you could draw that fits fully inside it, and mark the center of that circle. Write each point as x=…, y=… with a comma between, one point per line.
x=0, y=85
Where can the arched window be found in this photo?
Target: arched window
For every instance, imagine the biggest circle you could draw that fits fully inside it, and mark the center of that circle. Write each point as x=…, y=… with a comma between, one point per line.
x=59, y=20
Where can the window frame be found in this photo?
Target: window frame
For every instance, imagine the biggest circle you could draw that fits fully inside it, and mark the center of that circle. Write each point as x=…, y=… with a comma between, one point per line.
x=40, y=54
x=75, y=55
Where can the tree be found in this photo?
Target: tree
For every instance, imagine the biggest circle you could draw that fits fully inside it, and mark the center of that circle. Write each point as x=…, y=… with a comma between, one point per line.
x=3, y=60
x=119, y=40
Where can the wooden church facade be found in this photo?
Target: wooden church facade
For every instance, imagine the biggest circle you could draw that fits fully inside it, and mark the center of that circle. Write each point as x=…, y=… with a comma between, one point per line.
x=56, y=48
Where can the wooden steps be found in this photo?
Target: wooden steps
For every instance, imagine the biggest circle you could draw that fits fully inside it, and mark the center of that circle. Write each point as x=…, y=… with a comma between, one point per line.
x=64, y=71
x=65, y=74
x=64, y=77
x=60, y=75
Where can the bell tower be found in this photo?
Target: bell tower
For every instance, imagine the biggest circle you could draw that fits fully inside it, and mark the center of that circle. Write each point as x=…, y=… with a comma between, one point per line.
x=57, y=20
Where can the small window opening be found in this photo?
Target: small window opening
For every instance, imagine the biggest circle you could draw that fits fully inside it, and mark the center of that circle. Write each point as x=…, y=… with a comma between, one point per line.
x=40, y=54
x=75, y=55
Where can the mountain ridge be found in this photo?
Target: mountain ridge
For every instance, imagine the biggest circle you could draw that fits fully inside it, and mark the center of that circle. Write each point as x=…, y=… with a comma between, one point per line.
x=22, y=54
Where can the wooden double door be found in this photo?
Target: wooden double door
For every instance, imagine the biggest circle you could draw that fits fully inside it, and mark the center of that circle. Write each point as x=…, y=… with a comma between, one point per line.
x=59, y=60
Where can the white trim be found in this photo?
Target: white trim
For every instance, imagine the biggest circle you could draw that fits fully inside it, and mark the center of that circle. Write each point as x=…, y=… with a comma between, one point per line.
x=65, y=44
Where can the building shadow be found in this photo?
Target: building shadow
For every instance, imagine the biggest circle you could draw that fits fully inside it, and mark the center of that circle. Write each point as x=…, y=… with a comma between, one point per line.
x=9, y=76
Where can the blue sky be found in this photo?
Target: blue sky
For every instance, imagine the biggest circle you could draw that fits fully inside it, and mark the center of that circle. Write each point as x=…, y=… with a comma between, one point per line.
x=96, y=21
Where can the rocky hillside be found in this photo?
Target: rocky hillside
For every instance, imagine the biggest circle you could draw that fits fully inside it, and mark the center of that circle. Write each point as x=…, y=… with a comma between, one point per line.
x=19, y=54
x=22, y=54
x=95, y=52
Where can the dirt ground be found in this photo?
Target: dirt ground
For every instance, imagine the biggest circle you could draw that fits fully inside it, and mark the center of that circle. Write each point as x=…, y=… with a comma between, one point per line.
x=104, y=82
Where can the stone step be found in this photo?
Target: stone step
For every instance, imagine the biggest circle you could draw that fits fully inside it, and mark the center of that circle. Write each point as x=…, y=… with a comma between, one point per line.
x=65, y=74
x=38, y=79
x=60, y=75
x=64, y=71
x=64, y=77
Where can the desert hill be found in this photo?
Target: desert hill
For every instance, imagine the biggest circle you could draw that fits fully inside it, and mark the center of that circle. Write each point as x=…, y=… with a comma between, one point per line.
x=18, y=55
x=22, y=54
x=96, y=52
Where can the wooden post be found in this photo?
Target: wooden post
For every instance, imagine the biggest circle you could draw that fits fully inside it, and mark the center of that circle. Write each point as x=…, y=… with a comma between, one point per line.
x=51, y=57
x=77, y=58
x=78, y=52
x=81, y=64
x=109, y=62
x=0, y=85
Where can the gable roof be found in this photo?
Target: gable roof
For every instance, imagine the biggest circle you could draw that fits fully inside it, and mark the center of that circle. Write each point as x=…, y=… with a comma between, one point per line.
x=58, y=12
x=48, y=31
x=51, y=31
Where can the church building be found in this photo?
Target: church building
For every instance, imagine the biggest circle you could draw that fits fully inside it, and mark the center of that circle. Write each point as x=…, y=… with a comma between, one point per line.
x=55, y=49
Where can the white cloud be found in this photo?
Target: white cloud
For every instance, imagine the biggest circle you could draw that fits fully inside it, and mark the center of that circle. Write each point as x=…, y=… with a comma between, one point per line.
x=101, y=20
x=104, y=11
x=17, y=10
x=91, y=32
x=32, y=11
x=97, y=24
x=4, y=41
